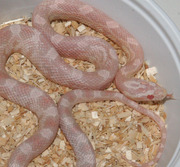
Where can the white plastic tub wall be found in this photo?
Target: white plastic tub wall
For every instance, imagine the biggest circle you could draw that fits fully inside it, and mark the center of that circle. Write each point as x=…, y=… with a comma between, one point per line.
x=160, y=40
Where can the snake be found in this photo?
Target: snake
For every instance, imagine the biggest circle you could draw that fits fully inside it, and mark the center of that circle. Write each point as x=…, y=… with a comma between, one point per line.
x=42, y=46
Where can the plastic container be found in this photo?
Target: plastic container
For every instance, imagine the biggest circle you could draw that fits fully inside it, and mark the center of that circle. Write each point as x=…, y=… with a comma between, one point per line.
x=160, y=40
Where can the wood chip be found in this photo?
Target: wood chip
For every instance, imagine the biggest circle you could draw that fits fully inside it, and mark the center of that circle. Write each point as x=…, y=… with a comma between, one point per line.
x=83, y=107
x=129, y=154
x=124, y=114
x=108, y=150
x=151, y=71
x=3, y=141
x=139, y=145
x=75, y=24
x=95, y=115
x=67, y=24
x=81, y=28
x=128, y=119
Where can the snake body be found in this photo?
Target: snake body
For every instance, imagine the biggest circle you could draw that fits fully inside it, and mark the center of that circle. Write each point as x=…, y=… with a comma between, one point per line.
x=42, y=46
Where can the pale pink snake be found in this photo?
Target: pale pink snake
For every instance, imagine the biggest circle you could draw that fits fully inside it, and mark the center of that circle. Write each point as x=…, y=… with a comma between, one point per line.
x=31, y=43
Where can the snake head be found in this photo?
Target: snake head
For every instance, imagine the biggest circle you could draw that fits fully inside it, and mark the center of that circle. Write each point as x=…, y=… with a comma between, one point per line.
x=141, y=90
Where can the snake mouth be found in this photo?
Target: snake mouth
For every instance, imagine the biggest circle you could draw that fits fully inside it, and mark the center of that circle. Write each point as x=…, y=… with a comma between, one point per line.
x=169, y=97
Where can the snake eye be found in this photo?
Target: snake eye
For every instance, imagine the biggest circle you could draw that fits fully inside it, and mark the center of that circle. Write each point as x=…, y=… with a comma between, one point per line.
x=151, y=97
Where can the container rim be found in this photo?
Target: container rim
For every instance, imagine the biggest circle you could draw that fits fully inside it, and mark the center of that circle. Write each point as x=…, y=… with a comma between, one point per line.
x=169, y=33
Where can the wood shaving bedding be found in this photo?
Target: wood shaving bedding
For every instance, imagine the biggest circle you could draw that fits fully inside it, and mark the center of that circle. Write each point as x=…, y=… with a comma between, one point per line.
x=112, y=127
